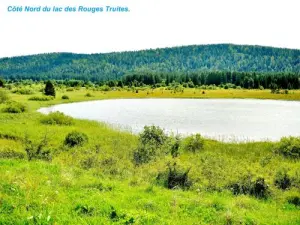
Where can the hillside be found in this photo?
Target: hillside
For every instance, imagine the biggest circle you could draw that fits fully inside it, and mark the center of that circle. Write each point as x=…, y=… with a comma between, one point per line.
x=95, y=67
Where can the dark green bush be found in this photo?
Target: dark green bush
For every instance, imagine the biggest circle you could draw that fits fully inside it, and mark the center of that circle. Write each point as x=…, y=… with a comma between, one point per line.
x=282, y=180
x=295, y=200
x=37, y=150
x=289, y=147
x=76, y=138
x=175, y=177
x=89, y=95
x=194, y=143
x=151, y=141
x=144, y=154
x=247, y=185
x=57, y=118
x=175, y=147
x=84, y=210
x=2, y=82
x=14, y=107
x=153, y=135
x=65, y=97
x=40, y=98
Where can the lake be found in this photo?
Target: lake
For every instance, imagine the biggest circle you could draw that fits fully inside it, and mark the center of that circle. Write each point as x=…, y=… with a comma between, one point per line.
x=221, y=119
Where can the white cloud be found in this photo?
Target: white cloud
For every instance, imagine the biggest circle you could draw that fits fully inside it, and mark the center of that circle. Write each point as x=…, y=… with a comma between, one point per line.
x=150, y=24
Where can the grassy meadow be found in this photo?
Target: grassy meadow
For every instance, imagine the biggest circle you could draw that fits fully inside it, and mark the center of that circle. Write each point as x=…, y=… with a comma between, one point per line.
x=99, y=181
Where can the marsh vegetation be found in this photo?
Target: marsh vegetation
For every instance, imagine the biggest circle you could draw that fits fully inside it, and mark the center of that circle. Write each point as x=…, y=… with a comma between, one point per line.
x=60, y=170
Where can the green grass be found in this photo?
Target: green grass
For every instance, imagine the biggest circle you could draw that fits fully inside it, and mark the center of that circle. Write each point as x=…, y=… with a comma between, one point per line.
x=98, y=183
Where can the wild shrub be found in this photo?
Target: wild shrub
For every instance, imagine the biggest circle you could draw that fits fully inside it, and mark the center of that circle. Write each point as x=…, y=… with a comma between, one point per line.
x=23, y=91
x=89, y=162
x=153, y=135
x=65, y=97
x=57, y=118
x=289, y=147
x=151, y=141
x=76, y=138
x=194, y=143
x=175, y=177
x=11, y=154
x=14, y=107
x=282, y=180
x=9, y=86
x=175, y=145
x=105, y=88
x=70, y=89
x=144, y=153
x=120, y=218
x=84, y=210
x=37, y=150
x=247, y=185
x=40, y=98
x=88, y=95
x=294, y=200
x=10, y=137
x=3, y=96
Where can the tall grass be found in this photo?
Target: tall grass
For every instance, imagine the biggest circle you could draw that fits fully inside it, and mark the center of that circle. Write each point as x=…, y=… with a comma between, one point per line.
x=99, y=182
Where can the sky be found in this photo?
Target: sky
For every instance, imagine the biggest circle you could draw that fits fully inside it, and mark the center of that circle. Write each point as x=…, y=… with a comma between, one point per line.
x=149, y=24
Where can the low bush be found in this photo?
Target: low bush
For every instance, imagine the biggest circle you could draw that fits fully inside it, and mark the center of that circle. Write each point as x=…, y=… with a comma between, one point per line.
x=11, y=154
x=3, y=96
x=23, y=91
x=175, y=177
x=289, y=147
x=153, y=135
x=247, y=185
x=14, y=107
x=84, y=210
x=76, y=138
x=194, y=143
x=151, y=141
x=65, y=97
x=282, y=180
x=88, y=95
x=70, y=89
x=40, y=98
x=104, y=88
x=57, y=118
x=37, y=150
x=294, y=200
x=175, y=146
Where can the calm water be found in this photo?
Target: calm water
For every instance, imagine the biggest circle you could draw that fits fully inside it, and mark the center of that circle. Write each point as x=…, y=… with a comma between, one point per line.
x=221, y=119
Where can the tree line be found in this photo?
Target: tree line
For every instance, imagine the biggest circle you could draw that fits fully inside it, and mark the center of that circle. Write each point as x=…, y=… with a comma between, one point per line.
x=243, y=79
x=182, y=60
x=249, y=80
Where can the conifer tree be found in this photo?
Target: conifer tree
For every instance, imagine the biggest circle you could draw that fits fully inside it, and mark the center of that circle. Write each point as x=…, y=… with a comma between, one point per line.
x=49, y=89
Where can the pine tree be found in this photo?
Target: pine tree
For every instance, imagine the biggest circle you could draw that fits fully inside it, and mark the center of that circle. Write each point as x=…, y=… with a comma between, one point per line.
x=1, y=82
x=49, y=89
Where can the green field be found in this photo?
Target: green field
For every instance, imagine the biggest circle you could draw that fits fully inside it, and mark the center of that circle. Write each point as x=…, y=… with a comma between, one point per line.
x=100, y=183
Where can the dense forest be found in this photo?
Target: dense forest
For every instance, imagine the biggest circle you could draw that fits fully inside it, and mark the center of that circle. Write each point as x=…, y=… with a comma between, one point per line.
x=188, y=60
x=233, y=79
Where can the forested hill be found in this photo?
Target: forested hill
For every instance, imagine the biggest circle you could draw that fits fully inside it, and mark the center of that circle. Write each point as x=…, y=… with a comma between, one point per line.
x=95, y=67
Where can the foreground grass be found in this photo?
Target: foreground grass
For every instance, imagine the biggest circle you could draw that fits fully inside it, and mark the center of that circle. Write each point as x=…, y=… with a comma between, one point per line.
x=98, y=183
